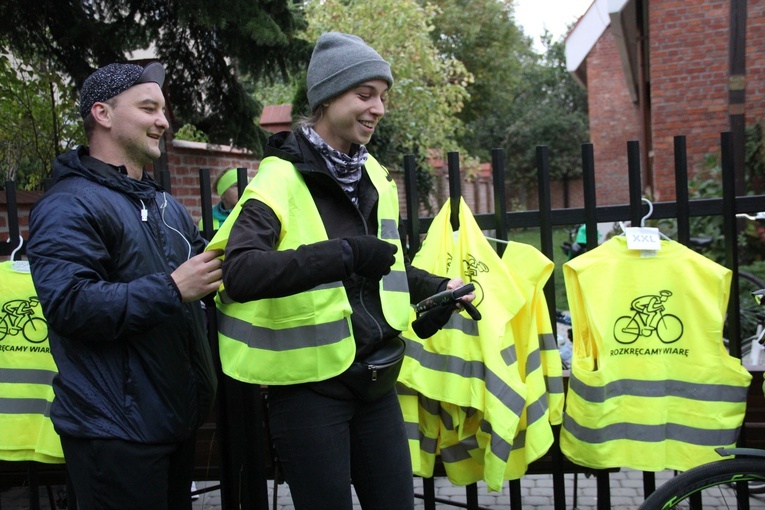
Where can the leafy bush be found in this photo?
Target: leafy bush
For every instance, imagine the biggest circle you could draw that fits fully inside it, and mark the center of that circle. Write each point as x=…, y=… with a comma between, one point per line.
x=190, y=133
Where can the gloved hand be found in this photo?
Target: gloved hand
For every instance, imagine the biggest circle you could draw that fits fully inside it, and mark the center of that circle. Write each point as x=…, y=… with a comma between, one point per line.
x=427, y=324
x=372, y=258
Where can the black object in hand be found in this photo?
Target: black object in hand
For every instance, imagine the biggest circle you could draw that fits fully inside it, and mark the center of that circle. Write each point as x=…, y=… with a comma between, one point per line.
x=372, y=257
x=446, y=296
x=427, y=324
x=439, y=308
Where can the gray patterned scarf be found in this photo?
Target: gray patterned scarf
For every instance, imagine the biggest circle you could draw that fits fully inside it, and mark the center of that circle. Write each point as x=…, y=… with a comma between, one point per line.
x=344, y=168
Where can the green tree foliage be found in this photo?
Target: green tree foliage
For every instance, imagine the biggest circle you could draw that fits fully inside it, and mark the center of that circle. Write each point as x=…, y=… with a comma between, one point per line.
x=206, y=45
x=483, y=35
x=38, y=120
x=551, y=110
x=429, y=88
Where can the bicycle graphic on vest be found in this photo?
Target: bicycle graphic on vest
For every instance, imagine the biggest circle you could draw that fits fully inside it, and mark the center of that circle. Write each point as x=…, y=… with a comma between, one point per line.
x=649, y=318
x=18, y=317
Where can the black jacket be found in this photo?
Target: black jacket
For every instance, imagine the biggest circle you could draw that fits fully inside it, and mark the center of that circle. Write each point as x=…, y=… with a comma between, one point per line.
x=134, y=362
x=252, y=269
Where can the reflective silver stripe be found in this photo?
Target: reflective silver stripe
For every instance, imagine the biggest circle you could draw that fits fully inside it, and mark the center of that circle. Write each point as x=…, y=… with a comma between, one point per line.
x=223, y=296
x=26, y=376
x=509, y=355
x=469, y=411
x=283, y=339
x=460, y=323
x=533, y=362
x=25, y=406
x=389, y=229
x=396, y=281
x=412, y=430
x=536, y=410
x=430, y=406
x=651, y=433
x=427, y=444
x=499, y=445
x=666, y=388
x=402, y=389
x=467, y=369
x=547, y=342
x=519, y=441
x=554, y=384
x=460, y=451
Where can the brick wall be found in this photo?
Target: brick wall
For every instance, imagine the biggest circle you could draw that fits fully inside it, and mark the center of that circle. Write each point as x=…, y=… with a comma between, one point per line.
x=688, y=45
x=614, y=120
x=755, y=63
x=689, y=82
x=184, y=159
x=24, y=202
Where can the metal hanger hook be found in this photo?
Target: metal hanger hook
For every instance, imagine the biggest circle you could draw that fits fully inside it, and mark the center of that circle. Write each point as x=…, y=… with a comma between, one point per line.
x=650, y=211
x=13, y=253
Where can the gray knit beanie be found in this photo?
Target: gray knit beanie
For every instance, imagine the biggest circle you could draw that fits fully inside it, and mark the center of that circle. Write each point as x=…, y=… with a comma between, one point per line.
x=339, y=62
x=109, y=81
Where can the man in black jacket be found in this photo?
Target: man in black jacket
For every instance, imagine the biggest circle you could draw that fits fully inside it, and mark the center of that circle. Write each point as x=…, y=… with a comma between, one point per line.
x=119, y=268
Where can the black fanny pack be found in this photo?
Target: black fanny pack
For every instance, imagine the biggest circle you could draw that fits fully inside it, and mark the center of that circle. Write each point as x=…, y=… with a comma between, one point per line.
x=372, y=377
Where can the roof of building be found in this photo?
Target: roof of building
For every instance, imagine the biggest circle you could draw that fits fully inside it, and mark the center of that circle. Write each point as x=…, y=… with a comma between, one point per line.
x=621, y=16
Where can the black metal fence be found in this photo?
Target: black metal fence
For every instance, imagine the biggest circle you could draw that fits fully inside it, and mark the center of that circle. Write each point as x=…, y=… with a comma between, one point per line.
x=247, y=462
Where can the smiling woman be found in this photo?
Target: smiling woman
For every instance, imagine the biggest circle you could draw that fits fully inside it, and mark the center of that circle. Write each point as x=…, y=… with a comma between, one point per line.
x=330, y=291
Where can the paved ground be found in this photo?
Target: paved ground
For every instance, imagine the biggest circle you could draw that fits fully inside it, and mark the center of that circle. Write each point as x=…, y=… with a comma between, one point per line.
x=537, y=494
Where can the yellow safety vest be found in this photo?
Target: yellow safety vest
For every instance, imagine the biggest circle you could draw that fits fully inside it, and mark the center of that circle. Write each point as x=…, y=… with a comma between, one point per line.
x=305, y=337
x=538, y=358
x=26, y=373
x=471, y=394
x=651, y=387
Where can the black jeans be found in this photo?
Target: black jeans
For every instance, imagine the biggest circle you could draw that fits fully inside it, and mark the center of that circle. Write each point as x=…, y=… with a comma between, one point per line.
x=111, y=474
x=324, y=444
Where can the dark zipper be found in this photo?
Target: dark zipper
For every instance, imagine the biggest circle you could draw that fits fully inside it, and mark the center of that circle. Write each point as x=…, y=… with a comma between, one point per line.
x=374, y=368
x=363, y=280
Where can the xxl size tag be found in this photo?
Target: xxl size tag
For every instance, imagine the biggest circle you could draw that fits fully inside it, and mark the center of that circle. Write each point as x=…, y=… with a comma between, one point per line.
x=643, y=238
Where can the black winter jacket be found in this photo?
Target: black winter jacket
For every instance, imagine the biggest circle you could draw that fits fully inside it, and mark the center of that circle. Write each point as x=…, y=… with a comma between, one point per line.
x=252, y=269
x=134, y=361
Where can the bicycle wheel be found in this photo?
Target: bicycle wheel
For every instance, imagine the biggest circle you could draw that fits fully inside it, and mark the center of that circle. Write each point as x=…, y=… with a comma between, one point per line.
x=669, y=328
x=712, y=484
x=626, y=330
x=36, y=330
x=757, y=487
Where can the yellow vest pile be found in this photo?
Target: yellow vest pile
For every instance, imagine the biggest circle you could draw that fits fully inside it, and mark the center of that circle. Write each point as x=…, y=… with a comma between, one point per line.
x=483, y=395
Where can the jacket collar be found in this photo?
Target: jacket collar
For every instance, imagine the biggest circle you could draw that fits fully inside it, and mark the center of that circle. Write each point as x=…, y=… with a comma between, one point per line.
x=79, y=163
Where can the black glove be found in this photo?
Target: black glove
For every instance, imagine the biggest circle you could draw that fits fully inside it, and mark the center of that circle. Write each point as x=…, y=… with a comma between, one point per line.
x=372, y=258
x=427, y=324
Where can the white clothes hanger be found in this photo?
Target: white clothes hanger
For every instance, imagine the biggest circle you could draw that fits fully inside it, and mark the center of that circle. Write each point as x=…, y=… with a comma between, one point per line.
x=642, y=221
x=502, y=241
x=650, y=211
x=21, y=266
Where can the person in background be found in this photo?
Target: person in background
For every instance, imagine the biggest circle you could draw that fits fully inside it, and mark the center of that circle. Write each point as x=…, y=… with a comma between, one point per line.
x=119, y=268
x=228, y=191
x=315, y=280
